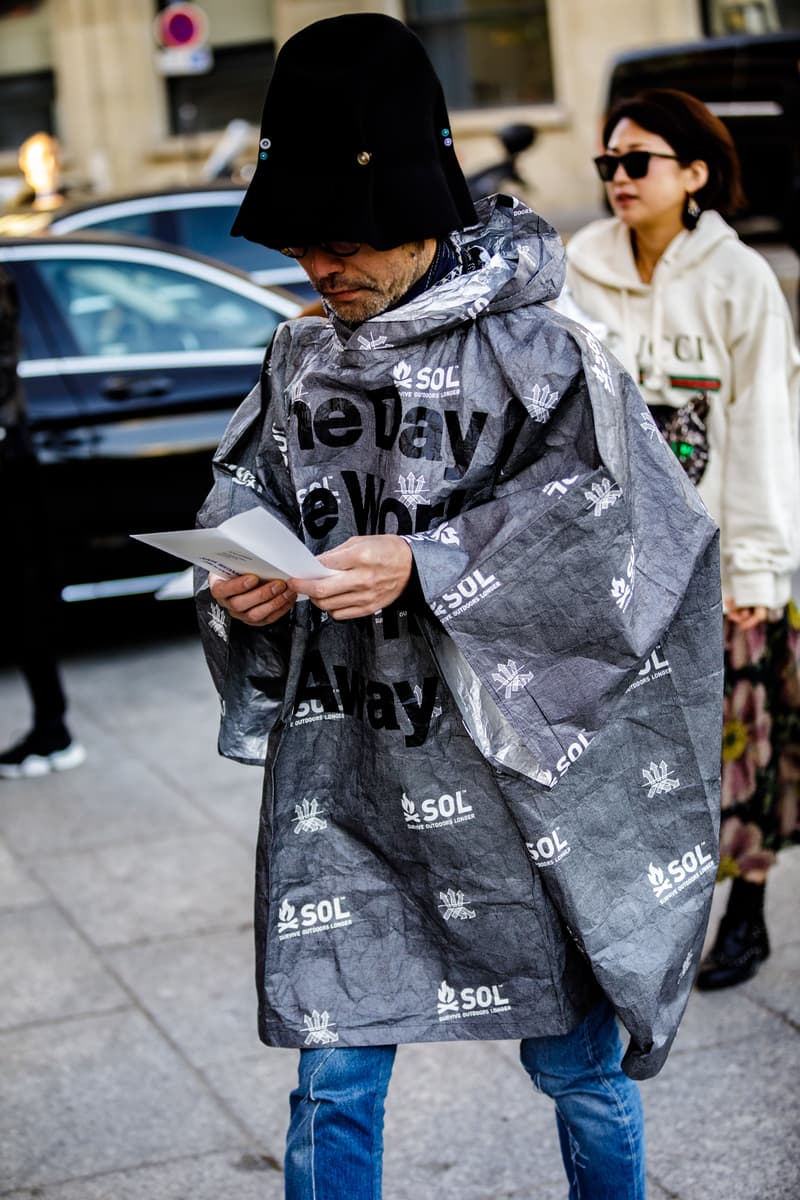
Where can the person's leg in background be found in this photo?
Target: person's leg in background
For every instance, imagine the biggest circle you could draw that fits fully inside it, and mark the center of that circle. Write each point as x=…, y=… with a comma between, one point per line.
x=334, y=1147
x=598, y=1108
x=760, y=785
x=31, y=631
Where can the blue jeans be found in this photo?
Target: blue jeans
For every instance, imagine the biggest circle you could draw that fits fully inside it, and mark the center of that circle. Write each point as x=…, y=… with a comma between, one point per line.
x=334, y=1147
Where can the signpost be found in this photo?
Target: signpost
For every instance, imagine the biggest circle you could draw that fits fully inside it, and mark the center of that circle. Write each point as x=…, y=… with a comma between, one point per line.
x=181, y=31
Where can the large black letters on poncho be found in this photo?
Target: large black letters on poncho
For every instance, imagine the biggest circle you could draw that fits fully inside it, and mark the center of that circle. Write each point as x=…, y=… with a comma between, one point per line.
x=479, y=810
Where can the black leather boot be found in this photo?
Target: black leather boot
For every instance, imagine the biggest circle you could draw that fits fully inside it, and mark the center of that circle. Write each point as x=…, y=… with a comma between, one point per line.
x=741, y=944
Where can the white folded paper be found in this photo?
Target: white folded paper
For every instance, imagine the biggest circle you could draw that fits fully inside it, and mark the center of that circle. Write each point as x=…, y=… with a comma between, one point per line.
x=251, y=543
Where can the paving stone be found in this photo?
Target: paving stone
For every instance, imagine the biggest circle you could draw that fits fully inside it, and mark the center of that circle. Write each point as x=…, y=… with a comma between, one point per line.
x=102, y=1093
x=181, y=752
x=47, y=971
x=124, y=686
x=203, y=771
x=226, y=792
x=777, y=984
x=113, y=797
x=201, y=991
x=464, y=1123
x=241, y=1174
x=151, y=889
x=724, y=1124
x=17, y=886
x=256, y=1087
x=236, y=808
x=717, y=1019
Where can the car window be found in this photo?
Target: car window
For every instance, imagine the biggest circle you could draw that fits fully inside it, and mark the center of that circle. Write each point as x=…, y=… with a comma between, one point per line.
x=31, y=342
x=135, y=308
x=132, y=224
x=208, y=231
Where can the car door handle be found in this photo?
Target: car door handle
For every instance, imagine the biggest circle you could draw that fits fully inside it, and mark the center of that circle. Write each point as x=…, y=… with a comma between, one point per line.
x=129, y=387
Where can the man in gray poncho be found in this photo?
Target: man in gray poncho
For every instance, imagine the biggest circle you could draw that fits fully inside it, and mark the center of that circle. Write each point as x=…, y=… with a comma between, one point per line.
x=492, y=736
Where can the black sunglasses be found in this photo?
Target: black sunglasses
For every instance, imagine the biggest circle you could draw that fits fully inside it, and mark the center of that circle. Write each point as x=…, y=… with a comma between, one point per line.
x=635, y=162
x=337, y=249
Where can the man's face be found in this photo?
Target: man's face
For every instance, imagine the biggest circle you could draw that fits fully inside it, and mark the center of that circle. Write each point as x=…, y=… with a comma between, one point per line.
x=368, y=282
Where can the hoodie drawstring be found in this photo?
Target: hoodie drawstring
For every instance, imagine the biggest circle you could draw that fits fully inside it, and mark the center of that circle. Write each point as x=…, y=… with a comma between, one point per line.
x=655, y=378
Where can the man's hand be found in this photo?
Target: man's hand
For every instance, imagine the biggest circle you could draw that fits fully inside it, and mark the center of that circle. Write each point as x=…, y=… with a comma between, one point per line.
x=252, y=600
x=371, y=573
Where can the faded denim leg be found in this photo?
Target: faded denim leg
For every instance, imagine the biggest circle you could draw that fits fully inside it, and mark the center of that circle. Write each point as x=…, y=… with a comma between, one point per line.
x=598, y=1108
x=334, y=1148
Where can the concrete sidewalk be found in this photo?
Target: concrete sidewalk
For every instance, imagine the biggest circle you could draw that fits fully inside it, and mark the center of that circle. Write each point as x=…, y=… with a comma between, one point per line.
x=129, y=1063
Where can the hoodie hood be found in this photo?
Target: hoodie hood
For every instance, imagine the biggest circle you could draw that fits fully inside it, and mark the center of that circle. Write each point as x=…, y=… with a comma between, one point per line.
x=511, y=258
x=603, y=256
x=603, y=252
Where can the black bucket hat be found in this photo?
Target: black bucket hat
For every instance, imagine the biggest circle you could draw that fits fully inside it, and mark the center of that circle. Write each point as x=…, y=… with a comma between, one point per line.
x=356, y=143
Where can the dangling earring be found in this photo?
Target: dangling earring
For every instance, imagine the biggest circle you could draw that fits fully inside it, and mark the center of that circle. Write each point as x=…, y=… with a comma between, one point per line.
x=691, y=211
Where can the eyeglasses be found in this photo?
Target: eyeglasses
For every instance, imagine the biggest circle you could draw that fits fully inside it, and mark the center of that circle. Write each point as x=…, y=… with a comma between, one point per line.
x=635, y=162
x=337, y=249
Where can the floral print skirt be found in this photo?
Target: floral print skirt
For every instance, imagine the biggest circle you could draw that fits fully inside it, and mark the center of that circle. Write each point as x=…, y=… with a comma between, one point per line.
x=760, y=743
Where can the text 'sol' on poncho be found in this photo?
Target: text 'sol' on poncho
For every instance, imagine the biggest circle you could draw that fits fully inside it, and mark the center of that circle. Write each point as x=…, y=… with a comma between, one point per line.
x=479, y=809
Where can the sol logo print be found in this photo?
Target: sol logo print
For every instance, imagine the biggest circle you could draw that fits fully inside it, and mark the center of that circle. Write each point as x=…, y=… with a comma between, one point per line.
x=656, y=666
x=313, y=917
x=428, y=381
x=483, y=1001
x=549, y=850
x=574, y=751
x=437, y=813
x=679, y=873
x=468, y=591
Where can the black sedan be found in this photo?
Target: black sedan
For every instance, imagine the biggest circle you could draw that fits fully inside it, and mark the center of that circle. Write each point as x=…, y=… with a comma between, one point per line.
x=133, y=359
x=195, y=218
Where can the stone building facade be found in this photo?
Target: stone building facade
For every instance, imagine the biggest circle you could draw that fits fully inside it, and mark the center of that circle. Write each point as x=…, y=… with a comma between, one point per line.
x=90, y=68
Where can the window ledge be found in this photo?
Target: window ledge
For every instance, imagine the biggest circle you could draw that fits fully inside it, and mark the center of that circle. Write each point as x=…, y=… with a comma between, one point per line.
x=189, y=145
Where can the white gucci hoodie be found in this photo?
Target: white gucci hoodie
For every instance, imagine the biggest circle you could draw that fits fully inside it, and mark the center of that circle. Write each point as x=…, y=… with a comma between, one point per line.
x=713, y=321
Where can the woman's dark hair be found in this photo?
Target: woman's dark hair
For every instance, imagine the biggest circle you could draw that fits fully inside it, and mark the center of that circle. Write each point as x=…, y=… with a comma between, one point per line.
x=693, y=132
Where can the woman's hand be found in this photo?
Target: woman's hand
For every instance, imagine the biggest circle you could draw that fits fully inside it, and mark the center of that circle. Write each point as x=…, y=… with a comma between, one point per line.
x=746, y=617
x=371, y=572
x=252, y=600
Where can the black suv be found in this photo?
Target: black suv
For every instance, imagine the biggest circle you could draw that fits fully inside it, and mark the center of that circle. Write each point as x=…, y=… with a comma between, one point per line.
x=752, y=83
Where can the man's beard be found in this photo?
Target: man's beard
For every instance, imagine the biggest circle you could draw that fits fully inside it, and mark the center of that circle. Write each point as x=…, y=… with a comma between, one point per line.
x=369, y=302
x=373, y=296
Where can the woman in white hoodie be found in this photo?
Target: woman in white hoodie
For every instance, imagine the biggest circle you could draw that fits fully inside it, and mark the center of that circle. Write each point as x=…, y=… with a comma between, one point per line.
x=699, y=320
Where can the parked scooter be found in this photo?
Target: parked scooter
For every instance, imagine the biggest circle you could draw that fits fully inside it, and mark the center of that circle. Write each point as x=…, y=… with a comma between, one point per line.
x=515, y=139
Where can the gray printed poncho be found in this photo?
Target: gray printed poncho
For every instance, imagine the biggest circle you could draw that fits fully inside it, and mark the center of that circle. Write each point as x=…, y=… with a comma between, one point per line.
x=482, y=809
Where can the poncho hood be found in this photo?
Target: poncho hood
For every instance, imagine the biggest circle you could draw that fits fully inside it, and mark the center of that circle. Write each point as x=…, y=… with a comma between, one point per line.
x=511, y=258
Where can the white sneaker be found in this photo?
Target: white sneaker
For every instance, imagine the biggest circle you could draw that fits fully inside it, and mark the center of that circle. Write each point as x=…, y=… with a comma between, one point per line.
x=31, y=758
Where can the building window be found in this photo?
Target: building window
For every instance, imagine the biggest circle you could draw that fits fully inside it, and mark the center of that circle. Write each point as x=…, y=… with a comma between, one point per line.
x=751, y=16
x=240, y=38
x=27, y=88
x=27, y=102
x=234, y=88
x=488, y=54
